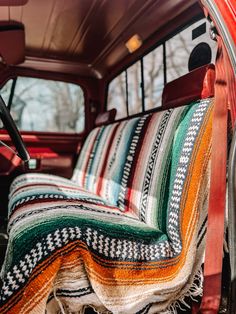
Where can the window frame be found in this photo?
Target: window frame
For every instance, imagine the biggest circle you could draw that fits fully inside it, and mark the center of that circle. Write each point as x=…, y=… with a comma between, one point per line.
x=160, y=42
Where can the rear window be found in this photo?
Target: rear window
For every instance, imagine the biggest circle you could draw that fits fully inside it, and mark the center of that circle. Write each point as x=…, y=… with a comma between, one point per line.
x=139, y=87
x=45, y=105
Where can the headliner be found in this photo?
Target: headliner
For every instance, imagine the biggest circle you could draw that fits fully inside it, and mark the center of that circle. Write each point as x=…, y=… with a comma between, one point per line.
x=88, y=36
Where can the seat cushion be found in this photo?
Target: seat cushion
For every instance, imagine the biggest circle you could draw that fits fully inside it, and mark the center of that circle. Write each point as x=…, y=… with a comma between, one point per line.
x=32, y=189
x=66, y=253
x=119, y=163
x=55, y=194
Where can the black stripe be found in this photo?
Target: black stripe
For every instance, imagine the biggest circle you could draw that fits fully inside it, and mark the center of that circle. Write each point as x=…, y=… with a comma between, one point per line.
x=200, y=240
x=71, y=293
x=202, y=226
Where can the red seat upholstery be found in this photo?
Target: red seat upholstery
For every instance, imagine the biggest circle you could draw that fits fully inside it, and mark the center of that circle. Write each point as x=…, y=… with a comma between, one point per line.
x=198, y=84
x=106, y=117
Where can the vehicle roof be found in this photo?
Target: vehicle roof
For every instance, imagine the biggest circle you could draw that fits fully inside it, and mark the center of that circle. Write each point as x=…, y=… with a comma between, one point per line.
x=88, y=36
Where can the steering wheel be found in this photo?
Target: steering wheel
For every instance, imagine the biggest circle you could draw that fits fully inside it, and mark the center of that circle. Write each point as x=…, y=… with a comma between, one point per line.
x=13, y=132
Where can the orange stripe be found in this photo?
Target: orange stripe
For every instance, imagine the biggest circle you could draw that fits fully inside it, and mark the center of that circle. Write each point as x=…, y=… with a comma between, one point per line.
x=198, y=167
x=119, y=276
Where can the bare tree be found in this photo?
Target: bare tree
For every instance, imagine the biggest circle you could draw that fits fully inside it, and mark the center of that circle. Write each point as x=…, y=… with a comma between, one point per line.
x=47, y=105
x=69, y=105
x=177, y=52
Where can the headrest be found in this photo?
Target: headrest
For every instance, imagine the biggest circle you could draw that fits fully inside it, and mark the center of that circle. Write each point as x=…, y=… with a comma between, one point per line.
x=12, y=42
x=197, y=84
x=105, y=117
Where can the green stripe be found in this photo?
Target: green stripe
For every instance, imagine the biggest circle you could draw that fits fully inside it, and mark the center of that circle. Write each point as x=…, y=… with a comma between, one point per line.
x=26, y=239
x=179, y=140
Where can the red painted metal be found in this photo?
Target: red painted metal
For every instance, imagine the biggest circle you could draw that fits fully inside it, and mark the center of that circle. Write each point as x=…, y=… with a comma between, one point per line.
x=227, y=9
x=223, y=15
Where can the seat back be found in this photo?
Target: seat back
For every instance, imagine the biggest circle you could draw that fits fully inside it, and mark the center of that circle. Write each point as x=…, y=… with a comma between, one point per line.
x=155, y=166
x=130, y=163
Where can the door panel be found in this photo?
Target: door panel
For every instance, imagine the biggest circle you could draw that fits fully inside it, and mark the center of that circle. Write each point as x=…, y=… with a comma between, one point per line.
x=51, y=153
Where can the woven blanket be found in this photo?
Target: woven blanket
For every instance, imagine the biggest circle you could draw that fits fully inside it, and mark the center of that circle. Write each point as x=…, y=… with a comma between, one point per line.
x=125, y=235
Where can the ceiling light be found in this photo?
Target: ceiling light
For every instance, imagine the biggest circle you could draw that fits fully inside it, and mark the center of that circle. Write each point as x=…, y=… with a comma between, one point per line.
x=134, y=43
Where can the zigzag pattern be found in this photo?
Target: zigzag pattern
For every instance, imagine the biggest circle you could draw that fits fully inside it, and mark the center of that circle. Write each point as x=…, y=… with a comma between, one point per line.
x=151, y=165
x=130, y=160
x=174, y=218
x=115, y=244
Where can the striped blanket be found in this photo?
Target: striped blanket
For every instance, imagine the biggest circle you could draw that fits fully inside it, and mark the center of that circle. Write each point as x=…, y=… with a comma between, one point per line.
x=125, y=235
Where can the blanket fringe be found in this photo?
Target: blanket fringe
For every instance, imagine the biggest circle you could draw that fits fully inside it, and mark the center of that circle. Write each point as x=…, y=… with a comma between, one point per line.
x=194, y=291
x=61, y=311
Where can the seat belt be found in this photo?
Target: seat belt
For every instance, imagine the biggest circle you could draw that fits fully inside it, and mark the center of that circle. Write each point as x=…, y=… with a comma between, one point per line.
x=217, y=199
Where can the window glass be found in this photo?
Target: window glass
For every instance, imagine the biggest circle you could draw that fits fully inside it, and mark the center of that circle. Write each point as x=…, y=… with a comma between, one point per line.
x=188, y=50
x=117, y=96
x=134, y=88
x=48, y=106
x=6, y=90
x=153, y=78
x=179, y=48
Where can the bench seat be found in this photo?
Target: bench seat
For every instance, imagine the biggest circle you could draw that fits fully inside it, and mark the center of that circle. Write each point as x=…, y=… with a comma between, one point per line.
x=126, y=233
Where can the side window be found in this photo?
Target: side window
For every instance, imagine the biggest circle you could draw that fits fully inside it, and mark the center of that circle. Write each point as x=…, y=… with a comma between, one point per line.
x=139, y=88
x=6, y=91
x=117, y=96
x=46, y=106
x=180, y=47
x=134, y=89
x=125, y=92
x=153, y=78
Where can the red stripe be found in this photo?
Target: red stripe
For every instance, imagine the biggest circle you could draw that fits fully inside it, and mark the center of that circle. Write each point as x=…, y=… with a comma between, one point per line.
x=104, y=166
x=129, y=188
x=88, y=159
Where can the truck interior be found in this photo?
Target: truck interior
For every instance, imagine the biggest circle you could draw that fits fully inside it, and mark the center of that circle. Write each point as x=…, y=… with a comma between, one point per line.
x=117, y=156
